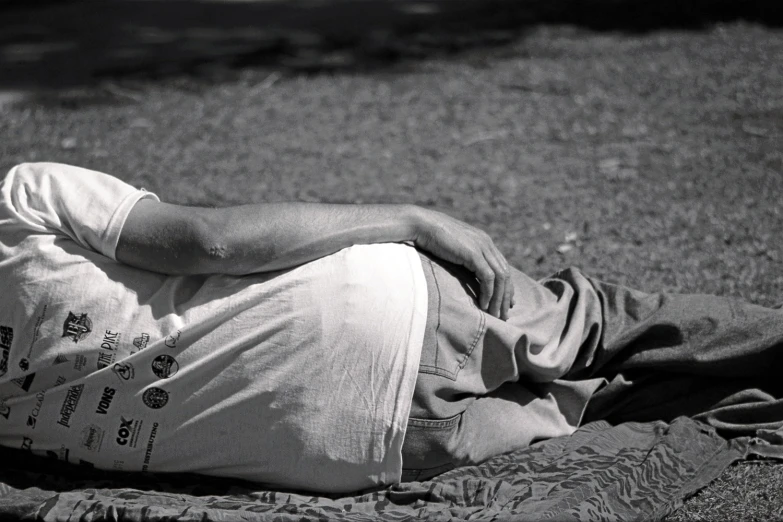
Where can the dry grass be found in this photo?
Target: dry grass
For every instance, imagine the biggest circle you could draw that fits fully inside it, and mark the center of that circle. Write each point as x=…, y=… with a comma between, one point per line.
x=748, y=491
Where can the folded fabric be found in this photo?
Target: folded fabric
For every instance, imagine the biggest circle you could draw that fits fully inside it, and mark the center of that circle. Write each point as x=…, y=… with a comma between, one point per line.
x=633, y=471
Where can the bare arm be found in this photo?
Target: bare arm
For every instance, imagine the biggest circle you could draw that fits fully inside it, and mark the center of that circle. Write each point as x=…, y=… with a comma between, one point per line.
x=245, y=239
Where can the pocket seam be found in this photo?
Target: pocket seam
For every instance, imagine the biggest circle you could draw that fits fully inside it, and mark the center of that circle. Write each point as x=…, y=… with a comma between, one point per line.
x=420, y=475
x=434, y=424
x=435, y=369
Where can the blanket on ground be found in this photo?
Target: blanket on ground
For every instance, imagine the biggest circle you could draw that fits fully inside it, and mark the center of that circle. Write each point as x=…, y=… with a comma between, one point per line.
x=633, y=471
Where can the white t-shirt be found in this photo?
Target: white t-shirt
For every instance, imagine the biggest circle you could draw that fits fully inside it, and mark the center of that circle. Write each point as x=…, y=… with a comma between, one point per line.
x=301, y=378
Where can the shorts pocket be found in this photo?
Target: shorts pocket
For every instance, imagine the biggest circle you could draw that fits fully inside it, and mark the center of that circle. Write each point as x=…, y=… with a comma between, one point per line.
x=427, y=447
x=455, y=324
x=419, y=475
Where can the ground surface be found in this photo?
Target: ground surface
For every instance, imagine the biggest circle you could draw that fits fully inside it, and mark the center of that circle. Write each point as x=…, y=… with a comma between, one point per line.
x=653, y=159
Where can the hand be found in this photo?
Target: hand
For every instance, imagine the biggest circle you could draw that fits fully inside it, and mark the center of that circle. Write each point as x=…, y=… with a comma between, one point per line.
x=459, y=243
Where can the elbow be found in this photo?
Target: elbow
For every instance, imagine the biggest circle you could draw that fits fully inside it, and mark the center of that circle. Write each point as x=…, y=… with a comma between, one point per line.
x=210, y=246
x=216, y=256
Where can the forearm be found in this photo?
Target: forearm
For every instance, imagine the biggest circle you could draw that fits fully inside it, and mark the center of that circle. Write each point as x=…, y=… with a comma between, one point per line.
x=245, y=239
x=173, y=239
x=274, y=236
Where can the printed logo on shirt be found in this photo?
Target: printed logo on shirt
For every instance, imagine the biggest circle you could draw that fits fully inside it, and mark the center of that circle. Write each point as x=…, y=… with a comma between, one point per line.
x=77, y=327
x=124, y=371
x=80, y=362
x=6, y=338
x=24, y=364
x=105, y=359
x=69, y=404
x=171, y=340
x=110, y=340
x=5, y=409
x=105, y=402
x=164, y=366
x=155, y=398
x=128, y=434
x=24, y=382
x=27, y=443
x=92, y=437
x=60, y=381
x=60, y=359
x=61, y=454
x=150, y=446
x=141, y=342
x=119, y=465
x=32, y=419
x=107, y=355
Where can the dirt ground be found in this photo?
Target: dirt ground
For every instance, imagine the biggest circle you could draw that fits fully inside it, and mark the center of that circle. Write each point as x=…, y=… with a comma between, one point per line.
x=652, y=158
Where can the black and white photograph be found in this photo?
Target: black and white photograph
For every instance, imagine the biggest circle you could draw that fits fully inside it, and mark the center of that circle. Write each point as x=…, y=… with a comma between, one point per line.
x=391, y=260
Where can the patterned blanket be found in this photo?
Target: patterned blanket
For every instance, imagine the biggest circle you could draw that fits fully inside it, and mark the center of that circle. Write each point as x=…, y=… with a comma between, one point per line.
x=633, y=471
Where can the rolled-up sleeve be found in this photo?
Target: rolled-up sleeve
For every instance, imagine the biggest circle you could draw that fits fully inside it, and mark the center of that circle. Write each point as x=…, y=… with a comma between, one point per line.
x=87, y=206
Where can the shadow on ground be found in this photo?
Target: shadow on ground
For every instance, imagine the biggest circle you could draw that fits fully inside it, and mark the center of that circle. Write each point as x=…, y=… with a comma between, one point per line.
x=55, y=45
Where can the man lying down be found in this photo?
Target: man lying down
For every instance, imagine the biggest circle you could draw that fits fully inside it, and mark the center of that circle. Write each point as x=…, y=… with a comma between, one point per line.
x=329, y=348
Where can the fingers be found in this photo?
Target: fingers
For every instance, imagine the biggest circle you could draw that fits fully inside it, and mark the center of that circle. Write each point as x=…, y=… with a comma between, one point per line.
x=500, y=300
x=508, y=295
x=496, y=301
x=512, y=293
x=486, y=277
x=460, y=243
